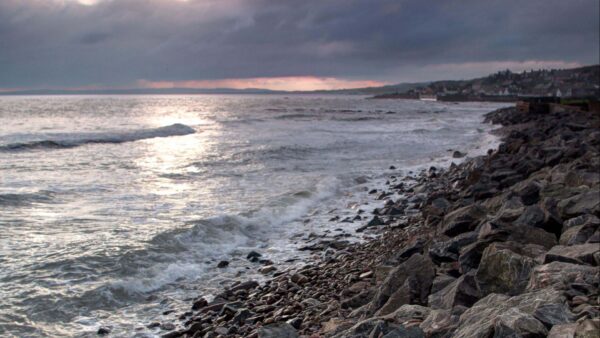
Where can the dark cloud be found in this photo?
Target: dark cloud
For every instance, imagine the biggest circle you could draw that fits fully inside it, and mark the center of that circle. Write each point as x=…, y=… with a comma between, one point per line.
x=117, y=42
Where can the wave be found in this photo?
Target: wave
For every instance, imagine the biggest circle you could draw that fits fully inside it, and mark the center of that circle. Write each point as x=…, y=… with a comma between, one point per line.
x=18, y=200
x=64, y=141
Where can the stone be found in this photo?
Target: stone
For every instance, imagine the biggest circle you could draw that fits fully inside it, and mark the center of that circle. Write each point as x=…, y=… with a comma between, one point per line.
x=440, y=282
x=462, y=220
x=408, y=313
x=535, y=216
x=463, y=291
x=502, y=270
x=458, y=154
x=530, y=193
x=223, y=264
x=375, y=221
x=498, y=315
x=439, y=323
x=277, y=330
x=448, y=251
x=578, y=254
x=410, y=249
x=418, y=270
x=563, y=331
x=558, y=275
x=583, y=203
x=103, y=330
x=553, y=314
x=579, y=230
x=470, y=256
x=253, y=256
x=267, y=269
x=589, y=328
x=199, y=303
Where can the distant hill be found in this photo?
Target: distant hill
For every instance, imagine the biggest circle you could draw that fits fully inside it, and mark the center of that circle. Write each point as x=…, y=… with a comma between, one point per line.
x=582, y=82
x=142, y=91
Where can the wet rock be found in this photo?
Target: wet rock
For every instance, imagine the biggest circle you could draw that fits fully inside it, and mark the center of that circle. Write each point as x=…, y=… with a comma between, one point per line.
x=199, y=303
x=463, y=291
x=223, y=264
x=253, y=256
x=462, y=220
x=376, y=221
x=502, y=270
x=578, y=254
x=458, y=154
x=103, y=330
x=267, y=269
x=277, y=330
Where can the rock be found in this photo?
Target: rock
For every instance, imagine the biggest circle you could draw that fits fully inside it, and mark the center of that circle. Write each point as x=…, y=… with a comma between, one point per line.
x=411, y=249
x=440, y=282
x=503, y=271
x=586, y=226
x=244, y=286
x=253, y=256
x=376, y=221
x=408, y=313
x=415, y=275
x=267, y=269
x=299, y=279
x=530, y=193
x=559, y=274
x=295, y=322
x=199, y=303
x=277, y=330
x=578, y=254
x=470, y=256
x=563, y=331
x=223, y=264
x=167, y=326
x=536, y=217
x=448, y=251
x=458, y=154
x=103, y=330
x=583, y=203
x=462, y=220
x=589, y=328
x=553, y=314
x=463, y=291
x=499, y=315
x=439, y=323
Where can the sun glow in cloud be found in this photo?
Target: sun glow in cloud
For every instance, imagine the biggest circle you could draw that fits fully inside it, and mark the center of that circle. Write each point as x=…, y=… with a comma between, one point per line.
x=290, y=83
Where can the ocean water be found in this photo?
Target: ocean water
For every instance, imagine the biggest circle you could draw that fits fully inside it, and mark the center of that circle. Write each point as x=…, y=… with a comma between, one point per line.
x=117, y=209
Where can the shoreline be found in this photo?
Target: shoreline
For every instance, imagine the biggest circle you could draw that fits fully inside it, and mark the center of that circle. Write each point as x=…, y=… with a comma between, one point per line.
x=450, y=259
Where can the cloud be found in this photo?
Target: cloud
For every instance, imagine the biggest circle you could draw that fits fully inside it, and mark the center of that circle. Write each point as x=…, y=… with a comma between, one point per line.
x=66, y=43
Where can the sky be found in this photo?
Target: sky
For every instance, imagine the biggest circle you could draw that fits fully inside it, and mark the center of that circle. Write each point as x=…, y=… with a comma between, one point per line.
x=285, y=44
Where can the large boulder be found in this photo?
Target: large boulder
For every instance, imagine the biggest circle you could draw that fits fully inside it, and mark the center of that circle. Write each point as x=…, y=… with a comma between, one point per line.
x=558, y=275
x=584, y=203
x=410, y=282
x=439, y=323
x=579, y=230
x=578, y=254
x=463, y=219
x=447, y=251
x=535, y=216
x=463, y=291
x=499, y=315
x=502, y=270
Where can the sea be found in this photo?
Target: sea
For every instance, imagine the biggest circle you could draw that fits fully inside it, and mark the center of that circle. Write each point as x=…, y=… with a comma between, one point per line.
x=116, y=210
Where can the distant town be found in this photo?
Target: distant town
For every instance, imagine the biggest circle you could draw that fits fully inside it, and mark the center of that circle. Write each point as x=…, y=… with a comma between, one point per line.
x=583, y=83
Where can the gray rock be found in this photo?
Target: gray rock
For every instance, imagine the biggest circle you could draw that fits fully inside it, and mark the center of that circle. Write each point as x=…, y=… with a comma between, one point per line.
x=277, y=330
x=447, y=251
x=415, y=275
x=558, y=275
x=578, y=254
x=502, y=316
x=502, y=270
x=439, y=323
x=563, y=331
x=553, y=314
x=583, y=203
x=440, y=282
x=463, y=291
x=536, y=217
x=579, y=230
x=463, y=220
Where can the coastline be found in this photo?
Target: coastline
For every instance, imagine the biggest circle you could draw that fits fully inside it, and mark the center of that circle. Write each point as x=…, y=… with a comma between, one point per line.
x=490, y=237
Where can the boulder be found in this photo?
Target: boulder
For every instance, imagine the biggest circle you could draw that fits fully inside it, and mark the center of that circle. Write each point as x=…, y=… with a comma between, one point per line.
x=535, y=216
x=470, y=256
x=412, y=278
x=499, y=315
x=439, y=323
x=584, y=203
x=563, y=331
x=448, y=251
x=529, y=193
x=463, y=291
x=502, y=270
x=463, y=219
x=407, y=313
x=553, y=314
x=578, y=254
x=579, y=230
x=558, y=275
x=277, y=330
x=440, y=282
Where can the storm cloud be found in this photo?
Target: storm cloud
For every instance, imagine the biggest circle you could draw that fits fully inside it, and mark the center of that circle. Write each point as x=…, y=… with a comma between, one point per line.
x=70, y=43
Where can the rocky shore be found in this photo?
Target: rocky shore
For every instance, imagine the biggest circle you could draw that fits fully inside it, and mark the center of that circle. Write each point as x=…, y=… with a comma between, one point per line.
x=504, y=245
